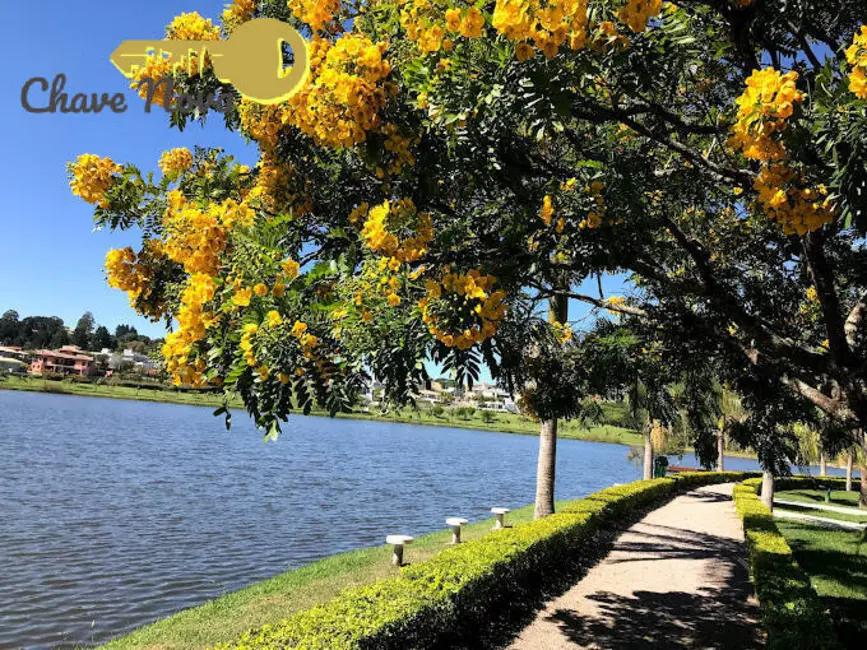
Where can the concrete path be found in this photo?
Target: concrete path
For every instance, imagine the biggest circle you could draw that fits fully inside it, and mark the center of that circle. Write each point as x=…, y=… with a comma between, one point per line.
x=856, y=512
x=821, y=521
x=676, y=579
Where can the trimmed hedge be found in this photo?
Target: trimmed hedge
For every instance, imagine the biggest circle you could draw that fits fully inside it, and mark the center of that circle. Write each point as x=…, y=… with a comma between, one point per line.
x=792, y=614
x=448, y=598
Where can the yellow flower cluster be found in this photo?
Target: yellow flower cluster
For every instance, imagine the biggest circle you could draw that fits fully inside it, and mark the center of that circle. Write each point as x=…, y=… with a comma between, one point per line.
x=246, y=344
x=192, y=27
x=563, y=331
x=272, y=190
x=546, y=213
x=317, y=13
x=262, y=122
x=637, y=13
x=123, y=273
x=341, y=102
x=549, y=25
x=797, y=209
x=594, y=217
x=615, y=301
x=425, y=23
x=763, y=111
x=193, y=321
x=398, y=230
x=856, y=55
x=186, y=27
x=196, y=238
x=399, y=147
x=156, y=68
x=461, y=310
x=92, y=178
x=175, y=162
x=237, y=13
x=308, y=341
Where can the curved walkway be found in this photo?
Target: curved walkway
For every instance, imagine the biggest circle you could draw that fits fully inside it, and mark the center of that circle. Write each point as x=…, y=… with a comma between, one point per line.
x=676, y=579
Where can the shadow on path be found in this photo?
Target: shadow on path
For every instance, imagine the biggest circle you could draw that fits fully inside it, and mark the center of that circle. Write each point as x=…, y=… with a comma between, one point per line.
x=711, y=619
x=675, y=543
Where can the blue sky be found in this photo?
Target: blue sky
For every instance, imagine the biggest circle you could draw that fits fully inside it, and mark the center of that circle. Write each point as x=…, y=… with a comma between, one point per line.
x=51, y=262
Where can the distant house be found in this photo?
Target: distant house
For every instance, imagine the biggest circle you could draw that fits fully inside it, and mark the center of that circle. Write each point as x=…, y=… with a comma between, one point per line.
x=68, y=360
x=131, y=360
x=14, y=352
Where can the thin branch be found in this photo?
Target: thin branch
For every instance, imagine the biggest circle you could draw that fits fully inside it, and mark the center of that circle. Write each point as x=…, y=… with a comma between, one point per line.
x=602, y=304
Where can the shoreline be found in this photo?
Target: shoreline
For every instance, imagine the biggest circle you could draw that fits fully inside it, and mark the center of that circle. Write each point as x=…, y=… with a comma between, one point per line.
x=514, y=424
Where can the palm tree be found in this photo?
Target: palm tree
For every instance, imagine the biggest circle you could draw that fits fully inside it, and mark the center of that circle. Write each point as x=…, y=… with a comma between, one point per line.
x=649, y=400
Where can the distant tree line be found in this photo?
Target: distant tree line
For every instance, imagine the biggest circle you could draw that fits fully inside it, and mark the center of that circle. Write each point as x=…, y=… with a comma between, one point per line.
x=36, y=332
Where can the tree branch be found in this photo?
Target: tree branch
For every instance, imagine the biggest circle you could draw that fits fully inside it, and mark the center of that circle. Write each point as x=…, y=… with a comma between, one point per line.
x=823, y=279
x=602, y=304
x=855, y=321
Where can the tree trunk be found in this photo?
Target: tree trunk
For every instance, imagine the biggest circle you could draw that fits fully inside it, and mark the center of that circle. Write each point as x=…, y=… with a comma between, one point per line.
x=720, y=450
x=862, y=501
x=546, y=469
x=823, y=465
x=648, y=454
x=849, y=471
x=768, y=489
x=558, y=310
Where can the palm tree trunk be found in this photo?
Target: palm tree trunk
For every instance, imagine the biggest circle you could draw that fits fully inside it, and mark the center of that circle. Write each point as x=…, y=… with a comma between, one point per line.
x=648, y=454
x=849, y=471
x=768, y=489
x=546, y=470
x=558, y=310
x=720, y=449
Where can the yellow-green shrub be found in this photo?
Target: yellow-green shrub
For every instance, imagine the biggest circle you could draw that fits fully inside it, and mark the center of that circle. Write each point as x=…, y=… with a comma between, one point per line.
x=447, y=597
x=792, y=614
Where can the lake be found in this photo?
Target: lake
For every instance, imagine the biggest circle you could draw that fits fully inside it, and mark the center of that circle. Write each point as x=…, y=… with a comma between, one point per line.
x=116, y=513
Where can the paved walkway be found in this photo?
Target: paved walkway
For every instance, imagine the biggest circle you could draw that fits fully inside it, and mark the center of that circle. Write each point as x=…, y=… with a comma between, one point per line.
x=676, y=579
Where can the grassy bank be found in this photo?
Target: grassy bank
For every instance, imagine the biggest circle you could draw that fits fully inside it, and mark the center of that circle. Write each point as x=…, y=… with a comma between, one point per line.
x=838, y=572
x=226, y=618
x=497, y=422
x=448, y=593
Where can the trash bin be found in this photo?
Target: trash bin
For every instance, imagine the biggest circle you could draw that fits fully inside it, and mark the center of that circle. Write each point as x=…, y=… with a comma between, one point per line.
x=660, y=466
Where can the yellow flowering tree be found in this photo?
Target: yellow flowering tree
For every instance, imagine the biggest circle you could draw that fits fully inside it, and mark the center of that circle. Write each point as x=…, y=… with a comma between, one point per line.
x=450, y=169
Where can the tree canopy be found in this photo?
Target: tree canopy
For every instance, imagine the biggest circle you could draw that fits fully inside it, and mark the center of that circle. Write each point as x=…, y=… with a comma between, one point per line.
x=450, y=167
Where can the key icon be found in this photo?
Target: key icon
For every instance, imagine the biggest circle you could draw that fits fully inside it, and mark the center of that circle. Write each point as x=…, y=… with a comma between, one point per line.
x=251, y=59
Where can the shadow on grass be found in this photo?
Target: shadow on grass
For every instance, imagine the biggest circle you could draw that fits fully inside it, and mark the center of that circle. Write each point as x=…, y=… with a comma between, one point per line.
x=850, y=620
x=833, y=566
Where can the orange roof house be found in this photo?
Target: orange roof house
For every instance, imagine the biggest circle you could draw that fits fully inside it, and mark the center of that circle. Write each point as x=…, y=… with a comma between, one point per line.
x=68, y=360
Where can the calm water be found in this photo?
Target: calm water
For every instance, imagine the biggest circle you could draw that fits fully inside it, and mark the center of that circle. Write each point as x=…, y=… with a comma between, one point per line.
x=114, y=514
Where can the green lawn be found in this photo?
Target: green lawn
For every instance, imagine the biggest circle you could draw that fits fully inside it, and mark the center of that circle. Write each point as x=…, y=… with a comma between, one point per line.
x=838, y=497
x=271, y=600
x=838, y=571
